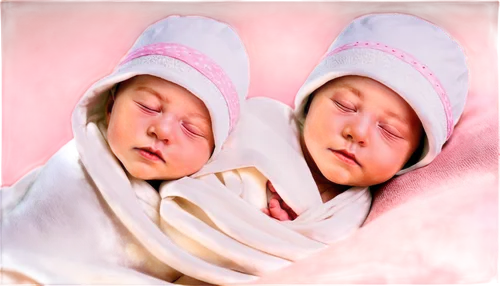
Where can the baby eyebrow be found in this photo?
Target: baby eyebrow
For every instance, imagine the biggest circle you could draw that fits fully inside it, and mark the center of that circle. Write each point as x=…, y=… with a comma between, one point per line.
x=393, y=115
x=151, y=91
x=200, y=118
x=399, y=125
x=358, y=93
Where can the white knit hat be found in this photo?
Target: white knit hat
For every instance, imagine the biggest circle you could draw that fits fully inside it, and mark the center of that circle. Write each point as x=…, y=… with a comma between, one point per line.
x=204, y=56
x=413, y=57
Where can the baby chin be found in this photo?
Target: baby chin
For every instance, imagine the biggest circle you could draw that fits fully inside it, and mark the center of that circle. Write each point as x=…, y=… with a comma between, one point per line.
x=339, y=174
x=144, y=171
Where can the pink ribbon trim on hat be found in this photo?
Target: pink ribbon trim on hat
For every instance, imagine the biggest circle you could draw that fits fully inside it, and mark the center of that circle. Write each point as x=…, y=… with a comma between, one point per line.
x=424, y=70
x=200, y=62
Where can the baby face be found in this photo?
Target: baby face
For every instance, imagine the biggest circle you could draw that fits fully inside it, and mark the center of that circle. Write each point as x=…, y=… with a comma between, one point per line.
x=358, y=132
x=159, y=130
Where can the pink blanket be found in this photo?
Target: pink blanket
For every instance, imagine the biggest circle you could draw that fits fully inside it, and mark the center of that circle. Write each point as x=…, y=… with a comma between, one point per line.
x=449, y=236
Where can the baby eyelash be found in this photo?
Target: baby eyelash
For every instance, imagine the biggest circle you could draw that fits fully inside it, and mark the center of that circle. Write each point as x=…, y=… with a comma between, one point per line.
x=343, y=107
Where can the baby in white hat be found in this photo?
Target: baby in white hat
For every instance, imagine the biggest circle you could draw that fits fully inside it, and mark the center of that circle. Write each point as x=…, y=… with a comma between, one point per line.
x=175, y=97
x=382, y=102
x=162, y=114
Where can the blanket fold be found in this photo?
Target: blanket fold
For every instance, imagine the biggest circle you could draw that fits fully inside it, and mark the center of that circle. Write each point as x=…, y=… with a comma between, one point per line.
x=83, y=207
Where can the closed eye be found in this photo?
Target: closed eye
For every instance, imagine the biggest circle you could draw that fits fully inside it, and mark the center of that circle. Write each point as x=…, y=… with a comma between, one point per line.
x=149, y=109
x=344, y=107
x=391, y=131
x=192, y=129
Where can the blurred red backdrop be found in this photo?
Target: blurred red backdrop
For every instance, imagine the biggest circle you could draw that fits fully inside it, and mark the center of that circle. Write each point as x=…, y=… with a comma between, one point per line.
x=52, y=52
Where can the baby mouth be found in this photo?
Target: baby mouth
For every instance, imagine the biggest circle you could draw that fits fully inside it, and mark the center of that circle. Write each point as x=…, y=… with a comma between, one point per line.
x=346, y=157
x=151, y=154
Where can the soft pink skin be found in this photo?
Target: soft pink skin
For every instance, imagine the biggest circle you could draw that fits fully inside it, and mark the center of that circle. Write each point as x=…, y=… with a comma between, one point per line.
x=353, y=136
x=155, y=115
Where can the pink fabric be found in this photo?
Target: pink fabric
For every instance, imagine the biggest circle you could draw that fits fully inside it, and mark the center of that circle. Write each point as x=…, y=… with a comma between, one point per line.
x=448, y=236
x=200, y=62
x=473, y=147
x=423, y=69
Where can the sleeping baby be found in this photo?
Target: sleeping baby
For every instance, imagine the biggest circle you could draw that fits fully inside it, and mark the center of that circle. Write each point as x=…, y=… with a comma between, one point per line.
x=378, y=104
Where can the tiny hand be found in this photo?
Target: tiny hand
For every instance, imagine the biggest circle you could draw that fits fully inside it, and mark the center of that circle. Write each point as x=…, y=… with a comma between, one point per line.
x=277, y=208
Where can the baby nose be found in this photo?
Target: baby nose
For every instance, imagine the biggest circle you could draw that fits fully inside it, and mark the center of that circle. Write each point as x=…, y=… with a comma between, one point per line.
x=358, y=130
x=164, y=128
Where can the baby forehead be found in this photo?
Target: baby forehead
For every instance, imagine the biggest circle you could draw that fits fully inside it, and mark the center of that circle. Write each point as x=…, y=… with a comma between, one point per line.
x=364, y=88
x=154, y=83
x=358, y=84
x=164, y=90
x=372, y=94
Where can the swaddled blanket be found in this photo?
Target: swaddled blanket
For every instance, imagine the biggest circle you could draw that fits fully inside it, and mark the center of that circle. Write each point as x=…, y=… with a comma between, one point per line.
x=81, y=219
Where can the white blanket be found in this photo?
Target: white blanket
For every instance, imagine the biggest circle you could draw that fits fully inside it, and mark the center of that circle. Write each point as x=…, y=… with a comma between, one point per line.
x=81, y=220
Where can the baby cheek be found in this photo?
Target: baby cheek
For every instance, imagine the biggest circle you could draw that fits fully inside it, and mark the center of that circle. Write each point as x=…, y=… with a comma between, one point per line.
x=191, y=157
x=317, y=133
x=385, y=162
x=120, y=137
x=113, y=137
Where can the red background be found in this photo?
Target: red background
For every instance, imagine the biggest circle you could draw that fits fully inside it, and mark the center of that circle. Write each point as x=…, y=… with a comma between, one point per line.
x=52, y=52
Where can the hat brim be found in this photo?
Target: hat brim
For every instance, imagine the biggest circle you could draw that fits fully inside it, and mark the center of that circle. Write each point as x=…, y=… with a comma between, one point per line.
x=182, y=74
x=397, y=75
